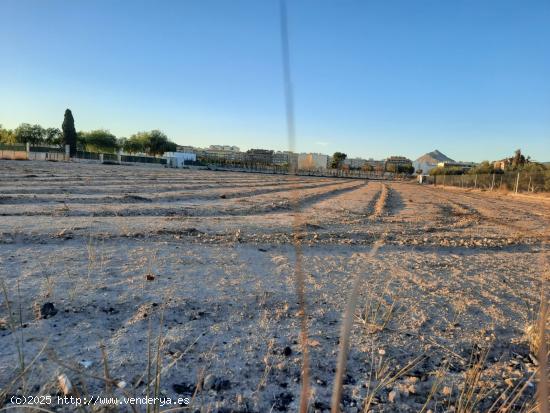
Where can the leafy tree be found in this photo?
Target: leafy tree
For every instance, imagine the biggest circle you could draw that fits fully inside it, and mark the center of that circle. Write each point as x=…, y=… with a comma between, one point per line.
x=121, y=142
x=7, y=136
x=69, y=132
x=337, y=160
x=518, y=160
x=81, y=140
x=33, y=134
x=534, y=167
x=159, y=143
x=154, y=142
x=406, y=169
x=136, y=143
x=399, y=168
x=450, y=170
x=100, y=140
x=53, y=136
x=485, y=167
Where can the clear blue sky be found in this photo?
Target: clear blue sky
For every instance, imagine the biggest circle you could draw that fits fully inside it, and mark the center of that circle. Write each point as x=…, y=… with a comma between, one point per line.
x=371, y=78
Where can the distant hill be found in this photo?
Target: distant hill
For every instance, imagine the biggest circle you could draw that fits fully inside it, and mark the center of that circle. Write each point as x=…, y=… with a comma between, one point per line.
x=430, y=160
x=434, y=157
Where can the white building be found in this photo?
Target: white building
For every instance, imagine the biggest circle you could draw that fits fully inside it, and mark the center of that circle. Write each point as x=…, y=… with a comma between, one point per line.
x=425, y=167
x=178, y=159
x=464, y=165
x=355, y=163
x=312, y=161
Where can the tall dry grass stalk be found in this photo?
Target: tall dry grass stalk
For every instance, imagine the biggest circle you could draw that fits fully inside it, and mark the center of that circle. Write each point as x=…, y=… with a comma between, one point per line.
x=542, y=371
x=297, y=226
x=345, y=335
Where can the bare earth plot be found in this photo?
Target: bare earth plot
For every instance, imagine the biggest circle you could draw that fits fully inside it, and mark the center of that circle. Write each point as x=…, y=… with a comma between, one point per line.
x=455, y=285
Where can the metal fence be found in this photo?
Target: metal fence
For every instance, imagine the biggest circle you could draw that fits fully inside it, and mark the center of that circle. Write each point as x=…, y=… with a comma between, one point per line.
x=43, y=148
x=15, y=147
x=110, y=157
x=87, y=155
x=522, y=181
x=13, y=152
x=327, y=173
x=143, y=159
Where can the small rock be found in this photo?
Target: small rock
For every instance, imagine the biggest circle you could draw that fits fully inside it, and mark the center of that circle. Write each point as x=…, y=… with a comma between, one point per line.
x=287, y=351
x=393, y=396
x=184, y=388
x=65, y=384
x=86, y=363
x=211, y=382
x=221, y=384
x=282, y=401
x=208, y=381
x=47, y=310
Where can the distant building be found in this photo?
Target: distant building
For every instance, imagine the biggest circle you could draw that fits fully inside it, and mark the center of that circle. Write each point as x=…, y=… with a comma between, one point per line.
x=355, y=163
x=221, y=153
x=285, y=158
x=375, y=164
x=464, y=165
x=259, y=156
x=502, y=164
x=185, y=148
x=178, y=159
x=312, y=161
x=398, y=161
x=223, y=148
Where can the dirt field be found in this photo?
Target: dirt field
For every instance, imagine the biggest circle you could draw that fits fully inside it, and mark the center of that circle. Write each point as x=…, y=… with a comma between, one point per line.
x=206, y=259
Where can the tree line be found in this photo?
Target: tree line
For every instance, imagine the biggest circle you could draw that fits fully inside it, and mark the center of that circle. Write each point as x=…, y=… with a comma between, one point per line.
x=153, y=142
x=518, y=162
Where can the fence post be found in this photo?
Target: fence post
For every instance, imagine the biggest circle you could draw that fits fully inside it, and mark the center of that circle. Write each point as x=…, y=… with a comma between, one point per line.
x=517, y=183
x=67, y=152
x=101, y=157
x=493, y=182
x=443, y=179
x=475, y=182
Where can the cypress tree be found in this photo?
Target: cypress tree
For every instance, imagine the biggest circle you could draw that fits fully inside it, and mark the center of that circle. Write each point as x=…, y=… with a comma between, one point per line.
x=69, y=132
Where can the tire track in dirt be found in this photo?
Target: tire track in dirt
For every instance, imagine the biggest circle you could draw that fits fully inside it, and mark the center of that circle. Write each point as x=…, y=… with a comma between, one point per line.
x=380, y=205
x=176, y=195
x=347, y=203
x=384, y=203
x=486, y=214
x=147, y=186
x=503, y=204
x=219, y=207
x=106, y=186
